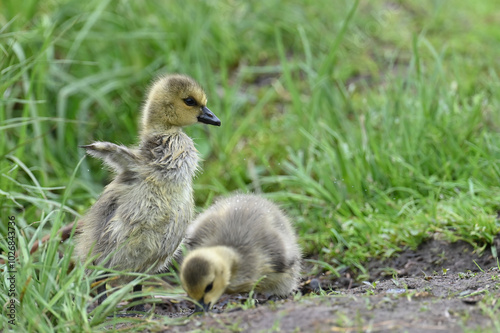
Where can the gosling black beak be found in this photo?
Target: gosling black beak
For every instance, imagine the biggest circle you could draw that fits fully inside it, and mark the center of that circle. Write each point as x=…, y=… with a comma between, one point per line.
x=202, y=307
x=208, y=117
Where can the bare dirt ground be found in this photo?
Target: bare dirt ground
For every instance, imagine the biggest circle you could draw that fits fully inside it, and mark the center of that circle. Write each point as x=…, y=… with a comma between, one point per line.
x=422, y=298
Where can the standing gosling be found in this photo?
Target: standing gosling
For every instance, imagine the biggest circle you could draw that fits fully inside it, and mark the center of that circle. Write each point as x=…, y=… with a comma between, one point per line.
x=141, y=217
x=235, y=243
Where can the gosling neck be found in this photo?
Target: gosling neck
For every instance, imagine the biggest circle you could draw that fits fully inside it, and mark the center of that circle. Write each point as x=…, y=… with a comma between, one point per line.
x=150, y=132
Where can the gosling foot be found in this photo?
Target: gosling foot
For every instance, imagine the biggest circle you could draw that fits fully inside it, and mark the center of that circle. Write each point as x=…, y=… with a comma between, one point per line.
x=138, y=308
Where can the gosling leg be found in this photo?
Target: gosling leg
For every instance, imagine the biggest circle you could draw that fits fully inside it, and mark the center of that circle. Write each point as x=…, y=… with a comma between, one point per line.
x=138, y=307
x=101, y=290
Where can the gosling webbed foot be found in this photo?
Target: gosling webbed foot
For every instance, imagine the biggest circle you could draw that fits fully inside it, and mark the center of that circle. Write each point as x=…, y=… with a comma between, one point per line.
x=138, y=308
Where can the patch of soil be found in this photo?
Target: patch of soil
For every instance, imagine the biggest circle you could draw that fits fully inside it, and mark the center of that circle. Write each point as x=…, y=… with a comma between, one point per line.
x=421, y=297
x=440, y=304
x=434, y=256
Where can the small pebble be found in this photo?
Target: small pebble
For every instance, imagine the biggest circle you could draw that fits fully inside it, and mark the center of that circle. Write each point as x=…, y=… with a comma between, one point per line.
x=315, y=285
x=396, y=291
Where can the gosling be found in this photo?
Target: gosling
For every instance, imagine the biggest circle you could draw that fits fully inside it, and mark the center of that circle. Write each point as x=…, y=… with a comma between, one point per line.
x=141, y=217
x=234, y=244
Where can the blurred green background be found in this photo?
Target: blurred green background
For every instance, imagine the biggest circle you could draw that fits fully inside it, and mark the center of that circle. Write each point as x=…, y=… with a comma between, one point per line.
x=374, y=124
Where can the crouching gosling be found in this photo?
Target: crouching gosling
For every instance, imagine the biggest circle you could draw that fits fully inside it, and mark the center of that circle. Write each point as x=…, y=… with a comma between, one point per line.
x=234, y=244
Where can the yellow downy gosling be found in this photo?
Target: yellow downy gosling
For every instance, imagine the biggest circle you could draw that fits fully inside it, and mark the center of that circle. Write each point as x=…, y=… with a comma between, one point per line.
x=141, y=217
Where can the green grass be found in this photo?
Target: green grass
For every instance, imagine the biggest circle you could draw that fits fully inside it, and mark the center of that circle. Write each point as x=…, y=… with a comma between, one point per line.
x=375, y=125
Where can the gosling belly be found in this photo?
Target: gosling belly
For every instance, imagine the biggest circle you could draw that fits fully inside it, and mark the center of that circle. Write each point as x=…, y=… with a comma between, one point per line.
x=149, y=250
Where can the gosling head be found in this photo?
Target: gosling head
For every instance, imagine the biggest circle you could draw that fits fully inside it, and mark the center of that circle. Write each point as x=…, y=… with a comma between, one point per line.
x=205, y=276
x=175, y=101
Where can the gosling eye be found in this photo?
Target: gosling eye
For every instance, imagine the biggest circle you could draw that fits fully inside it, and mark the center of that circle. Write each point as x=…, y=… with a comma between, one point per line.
x=190, y=101
x=209, y=287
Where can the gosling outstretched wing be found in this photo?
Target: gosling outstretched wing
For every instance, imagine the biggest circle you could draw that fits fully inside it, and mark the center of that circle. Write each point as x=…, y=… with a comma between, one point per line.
x=120, y=158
